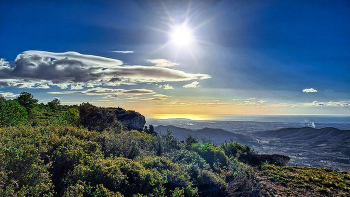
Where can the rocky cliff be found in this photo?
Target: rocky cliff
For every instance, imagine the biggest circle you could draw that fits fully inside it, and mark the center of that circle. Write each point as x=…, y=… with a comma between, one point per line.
x=131, y=120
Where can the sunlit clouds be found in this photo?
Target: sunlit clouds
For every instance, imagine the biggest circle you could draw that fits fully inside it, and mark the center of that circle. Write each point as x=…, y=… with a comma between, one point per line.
x=167, y=87
x=124, y=52
x=192, y=85
x=40, y=69
x=162, y=62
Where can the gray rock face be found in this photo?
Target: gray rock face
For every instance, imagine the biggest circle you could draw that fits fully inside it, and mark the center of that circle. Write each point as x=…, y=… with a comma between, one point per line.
x=132, y=120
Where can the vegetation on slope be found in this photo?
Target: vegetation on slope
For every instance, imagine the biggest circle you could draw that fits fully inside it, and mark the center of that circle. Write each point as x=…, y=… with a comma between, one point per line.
x=55, y=150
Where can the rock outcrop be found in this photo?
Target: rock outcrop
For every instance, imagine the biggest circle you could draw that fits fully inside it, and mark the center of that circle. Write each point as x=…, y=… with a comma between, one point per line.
x=132, y=120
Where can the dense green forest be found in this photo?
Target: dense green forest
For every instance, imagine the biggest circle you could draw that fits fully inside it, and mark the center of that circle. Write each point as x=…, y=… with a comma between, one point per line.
x=83, y=150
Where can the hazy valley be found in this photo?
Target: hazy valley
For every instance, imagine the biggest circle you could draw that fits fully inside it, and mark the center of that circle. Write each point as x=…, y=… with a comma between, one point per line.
x=306, y=146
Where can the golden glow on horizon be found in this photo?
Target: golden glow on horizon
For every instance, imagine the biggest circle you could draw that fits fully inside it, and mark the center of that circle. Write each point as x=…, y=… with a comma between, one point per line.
x=184, y=116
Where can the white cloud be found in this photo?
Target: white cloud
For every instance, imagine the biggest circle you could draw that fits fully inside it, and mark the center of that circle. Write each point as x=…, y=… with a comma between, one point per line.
x=3, y=63
x=123, y=51
x=262, y=101
x=76, y=87
x=8, y=94
x=163, y=62
x=168, y=87
x=42, y=86
x=309, y=90
x=192, y=85
x=32, y=68
x=249, y=103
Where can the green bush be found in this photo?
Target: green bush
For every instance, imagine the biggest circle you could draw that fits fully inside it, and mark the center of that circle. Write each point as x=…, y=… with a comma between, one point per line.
x=117, y=175
x=127, y=144
x=234, y=149
x=23, y=170
x=214, y=156
x=174, y=175
x=12, y=113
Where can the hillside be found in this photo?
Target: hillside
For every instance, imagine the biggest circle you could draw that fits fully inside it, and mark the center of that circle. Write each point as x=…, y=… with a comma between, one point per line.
x=215, y=136
x=56, y=150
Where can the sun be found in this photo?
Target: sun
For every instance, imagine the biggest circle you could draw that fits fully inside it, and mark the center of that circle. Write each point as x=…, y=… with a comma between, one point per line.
x=181, y=35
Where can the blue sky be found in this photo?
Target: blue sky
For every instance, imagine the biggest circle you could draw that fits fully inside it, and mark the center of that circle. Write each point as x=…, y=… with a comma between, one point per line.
x=244, y=57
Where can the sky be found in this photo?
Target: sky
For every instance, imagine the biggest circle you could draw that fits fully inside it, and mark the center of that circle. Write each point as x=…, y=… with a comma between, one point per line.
x=180, y=59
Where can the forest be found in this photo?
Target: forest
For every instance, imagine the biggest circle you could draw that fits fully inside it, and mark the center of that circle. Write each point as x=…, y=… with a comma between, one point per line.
x=83, y=150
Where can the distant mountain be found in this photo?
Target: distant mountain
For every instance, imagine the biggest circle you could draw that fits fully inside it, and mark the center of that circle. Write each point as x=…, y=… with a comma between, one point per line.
x=307, y=133
x=215, y=136
x=326, y=147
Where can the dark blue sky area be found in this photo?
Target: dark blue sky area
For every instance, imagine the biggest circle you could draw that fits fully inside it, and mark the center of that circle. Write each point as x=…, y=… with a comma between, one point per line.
x=278, y=48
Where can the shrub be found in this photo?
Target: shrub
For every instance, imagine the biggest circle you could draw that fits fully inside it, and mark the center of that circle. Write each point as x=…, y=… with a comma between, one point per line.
x=12, y=113
x=214, y=156
x=174, y=175
x=97, y=118
x=234, y=149
x=27, y=100
x=117, y=175
x=126, y=144
x=23, y=170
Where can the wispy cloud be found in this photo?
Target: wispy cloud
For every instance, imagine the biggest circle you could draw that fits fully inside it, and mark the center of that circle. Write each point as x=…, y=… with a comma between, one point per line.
x=108, y=91
x=309, y=90
x=162, y=62
x=192, y=85
x=39, y=69
x=147, y=98
x=328, y=104
x=123, y=51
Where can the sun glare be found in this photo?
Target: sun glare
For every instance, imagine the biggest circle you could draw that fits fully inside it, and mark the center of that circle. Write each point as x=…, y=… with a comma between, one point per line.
x=181, y=35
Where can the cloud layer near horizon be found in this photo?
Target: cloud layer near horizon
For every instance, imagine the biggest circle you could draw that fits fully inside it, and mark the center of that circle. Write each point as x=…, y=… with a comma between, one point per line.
x=41, y=69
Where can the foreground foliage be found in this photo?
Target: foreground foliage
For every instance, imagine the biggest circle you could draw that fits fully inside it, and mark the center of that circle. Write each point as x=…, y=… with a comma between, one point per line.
x=70, y=161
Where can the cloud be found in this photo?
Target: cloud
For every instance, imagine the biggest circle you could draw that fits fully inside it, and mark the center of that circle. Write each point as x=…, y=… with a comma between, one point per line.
x=160, y=95
x=163, y=62
x=123, y=52
x=192, y=85
x=262, y=101
x=76, y=87
x=146, y=99
x=8, y=94
x=309, y=90
x=168, y=87
x=108, y=91
x=33, y=69
x=249, y=103
x=327, y=104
